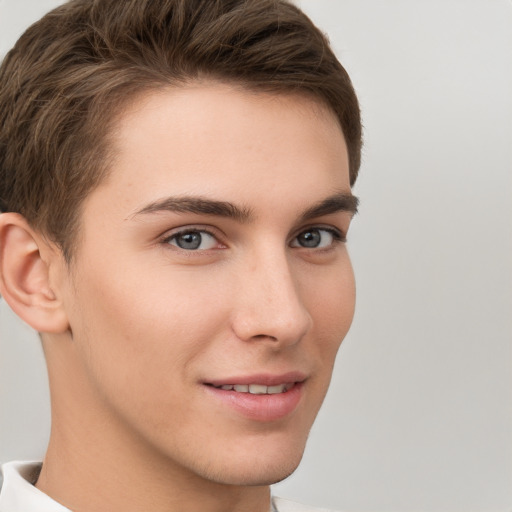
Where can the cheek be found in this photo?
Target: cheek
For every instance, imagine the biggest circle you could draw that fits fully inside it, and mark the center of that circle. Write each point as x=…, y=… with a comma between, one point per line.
x=154, y=322
x=342, y=304
x=332, y=309
x=331, y=297
x=138, y=340
x=331, y=300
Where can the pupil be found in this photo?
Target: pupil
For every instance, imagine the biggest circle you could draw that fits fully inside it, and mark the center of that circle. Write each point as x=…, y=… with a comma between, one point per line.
x=189, y=241
x=310, y=238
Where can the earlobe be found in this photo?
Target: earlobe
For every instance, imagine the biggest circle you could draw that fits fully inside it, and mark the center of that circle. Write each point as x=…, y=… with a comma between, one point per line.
x=25, y=277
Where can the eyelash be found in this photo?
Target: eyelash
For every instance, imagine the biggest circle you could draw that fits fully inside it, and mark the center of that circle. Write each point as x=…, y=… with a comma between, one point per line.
x=174, y=236
x=337, y=235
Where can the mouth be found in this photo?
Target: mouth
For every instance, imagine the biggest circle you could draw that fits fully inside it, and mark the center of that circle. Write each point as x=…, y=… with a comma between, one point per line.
x=256, y=389
x=263, y=398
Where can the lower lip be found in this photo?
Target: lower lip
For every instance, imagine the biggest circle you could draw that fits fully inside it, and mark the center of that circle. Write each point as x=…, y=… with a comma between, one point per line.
x=260, y=407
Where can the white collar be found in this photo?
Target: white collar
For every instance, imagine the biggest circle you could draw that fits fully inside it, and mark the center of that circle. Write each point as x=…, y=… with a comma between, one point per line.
x=18, y=493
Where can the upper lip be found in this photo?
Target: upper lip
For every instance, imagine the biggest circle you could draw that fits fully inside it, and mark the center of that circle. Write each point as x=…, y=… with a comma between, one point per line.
x=266, y=379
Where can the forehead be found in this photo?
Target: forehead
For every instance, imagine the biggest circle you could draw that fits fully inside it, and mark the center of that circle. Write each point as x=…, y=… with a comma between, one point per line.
x=224, y=141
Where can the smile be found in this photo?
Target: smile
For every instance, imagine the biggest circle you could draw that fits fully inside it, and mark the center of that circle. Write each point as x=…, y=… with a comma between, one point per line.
x=257, y=389
x=262, y=399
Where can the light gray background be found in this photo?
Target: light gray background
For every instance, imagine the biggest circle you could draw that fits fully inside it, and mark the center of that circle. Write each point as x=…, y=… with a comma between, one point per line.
x=419, y=415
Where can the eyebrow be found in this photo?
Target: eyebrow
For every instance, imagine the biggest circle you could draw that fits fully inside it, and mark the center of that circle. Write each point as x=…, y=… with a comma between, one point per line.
x=341, y=202
x=204, y=206
x=198, y=205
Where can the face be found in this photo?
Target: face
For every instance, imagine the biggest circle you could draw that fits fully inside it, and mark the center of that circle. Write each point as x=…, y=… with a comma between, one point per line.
x=212, y=287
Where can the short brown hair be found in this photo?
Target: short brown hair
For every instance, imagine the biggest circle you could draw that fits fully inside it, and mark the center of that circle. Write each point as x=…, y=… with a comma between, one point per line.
x=72, y=72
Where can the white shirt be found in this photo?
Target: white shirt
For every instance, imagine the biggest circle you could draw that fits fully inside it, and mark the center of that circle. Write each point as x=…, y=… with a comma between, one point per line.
x=18, y=493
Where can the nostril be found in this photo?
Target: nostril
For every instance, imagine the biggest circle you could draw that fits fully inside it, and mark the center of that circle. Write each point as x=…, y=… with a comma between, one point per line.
x=264, y=337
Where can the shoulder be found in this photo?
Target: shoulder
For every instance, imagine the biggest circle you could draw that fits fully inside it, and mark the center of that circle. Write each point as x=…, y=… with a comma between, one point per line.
x=282, y=505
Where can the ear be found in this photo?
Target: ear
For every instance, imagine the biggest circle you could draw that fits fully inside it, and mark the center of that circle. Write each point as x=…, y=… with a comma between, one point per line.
x=25, y=260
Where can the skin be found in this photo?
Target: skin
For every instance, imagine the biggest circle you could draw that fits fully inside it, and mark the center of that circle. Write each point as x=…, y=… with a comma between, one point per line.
x=149, y=324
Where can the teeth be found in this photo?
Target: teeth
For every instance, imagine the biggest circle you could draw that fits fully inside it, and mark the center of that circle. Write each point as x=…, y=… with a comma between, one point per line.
x=257, y=389
x=272, y=390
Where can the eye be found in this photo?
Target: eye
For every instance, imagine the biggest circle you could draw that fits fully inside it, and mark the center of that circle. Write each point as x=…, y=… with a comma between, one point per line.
x=193, y=240
x=316, y=238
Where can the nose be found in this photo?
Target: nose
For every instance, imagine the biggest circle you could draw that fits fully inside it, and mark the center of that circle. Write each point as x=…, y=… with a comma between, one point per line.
x=268, y=303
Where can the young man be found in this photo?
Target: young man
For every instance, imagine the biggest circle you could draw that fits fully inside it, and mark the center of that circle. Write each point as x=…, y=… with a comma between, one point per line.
x=175, y=182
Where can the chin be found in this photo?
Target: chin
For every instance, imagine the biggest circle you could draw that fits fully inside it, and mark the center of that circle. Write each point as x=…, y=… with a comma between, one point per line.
x=255, y=476
x=263, y=467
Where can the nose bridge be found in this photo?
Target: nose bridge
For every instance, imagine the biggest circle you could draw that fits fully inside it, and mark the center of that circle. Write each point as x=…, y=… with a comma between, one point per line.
x=270, y=304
